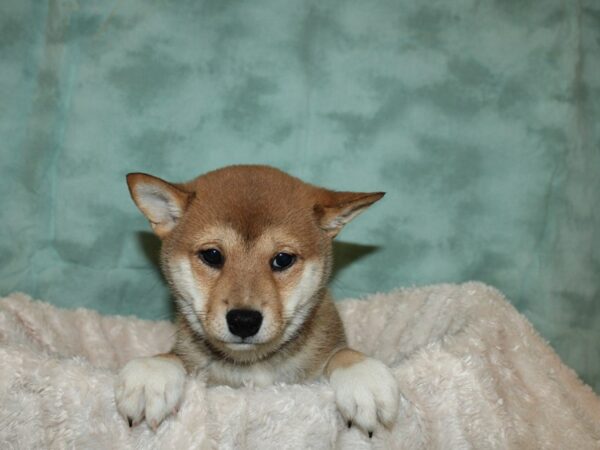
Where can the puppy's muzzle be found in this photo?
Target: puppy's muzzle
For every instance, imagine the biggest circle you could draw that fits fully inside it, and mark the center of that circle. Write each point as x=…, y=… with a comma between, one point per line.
x=244, y=322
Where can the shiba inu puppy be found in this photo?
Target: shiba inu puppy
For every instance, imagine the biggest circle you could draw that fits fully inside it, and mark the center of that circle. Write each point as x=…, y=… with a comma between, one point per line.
x=247, y=252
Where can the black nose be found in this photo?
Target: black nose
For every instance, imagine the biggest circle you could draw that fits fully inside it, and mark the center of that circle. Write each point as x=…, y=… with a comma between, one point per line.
x=244, y=322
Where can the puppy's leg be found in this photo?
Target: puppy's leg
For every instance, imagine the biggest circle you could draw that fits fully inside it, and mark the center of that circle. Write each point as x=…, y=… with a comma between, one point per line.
x=150, y=387
x=365, y=389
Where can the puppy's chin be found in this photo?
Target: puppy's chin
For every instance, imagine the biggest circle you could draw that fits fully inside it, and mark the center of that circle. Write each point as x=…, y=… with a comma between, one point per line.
x=245, y=352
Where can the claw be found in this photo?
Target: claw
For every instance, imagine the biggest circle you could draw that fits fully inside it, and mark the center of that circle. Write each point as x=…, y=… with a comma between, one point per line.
x=154, y=425
x=370, y=434
x=130, y=421
x=349, y=424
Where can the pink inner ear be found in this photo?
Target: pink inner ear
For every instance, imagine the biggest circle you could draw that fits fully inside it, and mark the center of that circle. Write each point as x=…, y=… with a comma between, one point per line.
x=161, y=202
x=341, y=207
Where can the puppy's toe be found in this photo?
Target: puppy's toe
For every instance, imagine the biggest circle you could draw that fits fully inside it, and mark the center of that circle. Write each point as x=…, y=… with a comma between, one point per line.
x=130, y=401
x=366, y=392
x=150, y=388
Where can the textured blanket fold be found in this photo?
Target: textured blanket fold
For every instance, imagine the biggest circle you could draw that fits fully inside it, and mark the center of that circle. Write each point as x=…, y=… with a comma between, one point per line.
x=472, y=371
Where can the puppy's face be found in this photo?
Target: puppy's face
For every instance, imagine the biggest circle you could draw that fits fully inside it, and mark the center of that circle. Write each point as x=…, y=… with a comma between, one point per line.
x=244, y=292
x=245, y=250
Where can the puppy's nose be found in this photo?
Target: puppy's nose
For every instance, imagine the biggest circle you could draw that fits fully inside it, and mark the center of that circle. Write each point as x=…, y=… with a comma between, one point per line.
x=244, y=322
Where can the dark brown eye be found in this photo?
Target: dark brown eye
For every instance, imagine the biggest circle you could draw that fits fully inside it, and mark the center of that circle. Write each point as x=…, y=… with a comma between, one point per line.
x=282, y=261
x=212, y=257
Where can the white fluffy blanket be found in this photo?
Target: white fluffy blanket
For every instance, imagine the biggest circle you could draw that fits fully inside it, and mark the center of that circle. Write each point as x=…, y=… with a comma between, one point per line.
x=472, y=371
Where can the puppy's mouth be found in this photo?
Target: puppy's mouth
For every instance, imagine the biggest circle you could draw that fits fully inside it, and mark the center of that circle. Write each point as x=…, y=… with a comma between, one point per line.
x=240, y=346
x=239, y=343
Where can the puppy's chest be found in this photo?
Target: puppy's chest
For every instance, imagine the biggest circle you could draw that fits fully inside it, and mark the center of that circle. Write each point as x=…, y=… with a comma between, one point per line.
x=259, y=374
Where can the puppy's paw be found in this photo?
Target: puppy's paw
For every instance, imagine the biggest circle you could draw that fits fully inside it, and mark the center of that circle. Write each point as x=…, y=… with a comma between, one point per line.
x=366, y=392
x=151, y=388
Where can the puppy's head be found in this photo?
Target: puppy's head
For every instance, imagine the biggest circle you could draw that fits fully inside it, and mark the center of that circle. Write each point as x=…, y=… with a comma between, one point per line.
x=245, y=250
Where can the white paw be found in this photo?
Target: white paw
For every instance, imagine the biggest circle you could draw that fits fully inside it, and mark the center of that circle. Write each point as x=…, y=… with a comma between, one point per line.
x=151, y=388
x=365, y=393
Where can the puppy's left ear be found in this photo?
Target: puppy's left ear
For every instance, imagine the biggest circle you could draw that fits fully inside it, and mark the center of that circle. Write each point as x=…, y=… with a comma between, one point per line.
x=336, y=209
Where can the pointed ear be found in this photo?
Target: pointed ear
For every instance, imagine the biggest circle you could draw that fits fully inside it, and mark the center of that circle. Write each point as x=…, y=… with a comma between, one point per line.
x=162, y=203
x=339, y=208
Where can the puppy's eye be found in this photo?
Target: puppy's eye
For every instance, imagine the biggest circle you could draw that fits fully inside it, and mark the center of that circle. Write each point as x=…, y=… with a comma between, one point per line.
x=211, y=257
x=282, y=261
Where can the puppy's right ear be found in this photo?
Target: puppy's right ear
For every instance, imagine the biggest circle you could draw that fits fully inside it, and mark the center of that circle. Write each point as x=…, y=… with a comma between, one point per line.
x=162, y=203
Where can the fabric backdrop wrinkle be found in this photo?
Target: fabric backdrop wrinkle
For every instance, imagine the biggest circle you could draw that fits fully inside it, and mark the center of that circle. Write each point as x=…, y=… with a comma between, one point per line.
x=479, y=120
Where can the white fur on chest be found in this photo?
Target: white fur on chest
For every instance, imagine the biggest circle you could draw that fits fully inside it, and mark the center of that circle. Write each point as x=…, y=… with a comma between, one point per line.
x=258, y=374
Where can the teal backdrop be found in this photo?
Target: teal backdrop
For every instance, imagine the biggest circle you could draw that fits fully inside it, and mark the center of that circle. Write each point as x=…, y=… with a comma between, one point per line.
x=479, y=119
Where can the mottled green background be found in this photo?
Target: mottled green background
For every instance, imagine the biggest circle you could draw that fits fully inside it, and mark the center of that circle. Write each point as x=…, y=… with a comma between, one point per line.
x=479, y=118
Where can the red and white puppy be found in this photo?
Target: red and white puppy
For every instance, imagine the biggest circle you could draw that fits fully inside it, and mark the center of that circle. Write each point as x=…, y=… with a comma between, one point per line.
x=247, y=251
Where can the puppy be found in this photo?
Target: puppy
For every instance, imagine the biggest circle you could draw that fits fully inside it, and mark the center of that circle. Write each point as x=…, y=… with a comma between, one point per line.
x=247, y=252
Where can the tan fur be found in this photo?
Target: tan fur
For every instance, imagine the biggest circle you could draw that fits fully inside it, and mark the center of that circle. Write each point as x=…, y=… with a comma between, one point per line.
x=346, y=357
x=250, y=213
x=172, y=356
